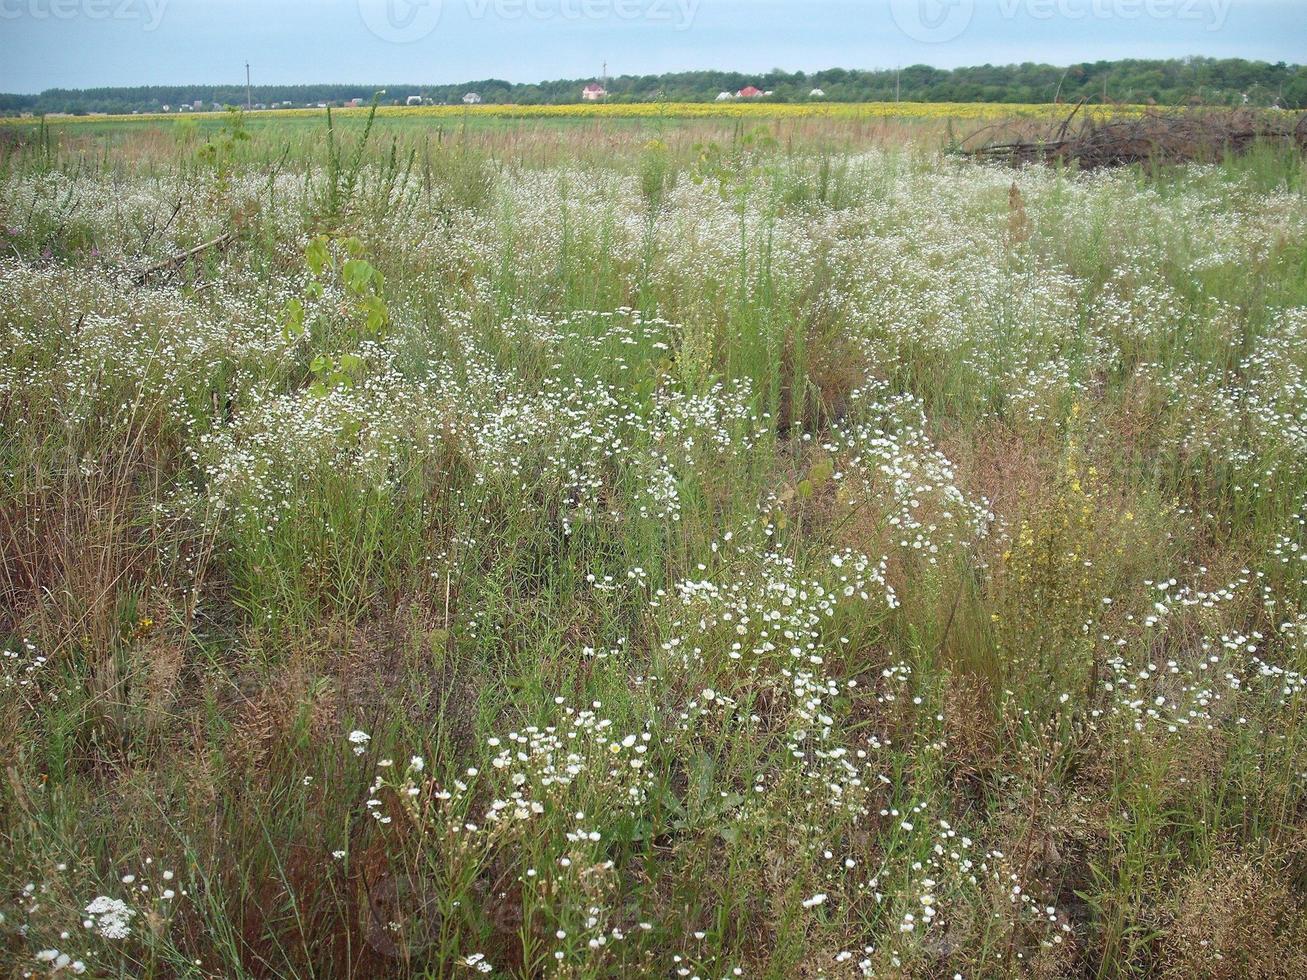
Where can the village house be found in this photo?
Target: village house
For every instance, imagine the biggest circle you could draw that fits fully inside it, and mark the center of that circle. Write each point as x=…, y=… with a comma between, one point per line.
x=472, y=98
x=750, y=92
x=593, y=92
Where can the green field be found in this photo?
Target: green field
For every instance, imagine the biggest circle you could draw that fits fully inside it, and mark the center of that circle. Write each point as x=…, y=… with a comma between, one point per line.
x=647, y=548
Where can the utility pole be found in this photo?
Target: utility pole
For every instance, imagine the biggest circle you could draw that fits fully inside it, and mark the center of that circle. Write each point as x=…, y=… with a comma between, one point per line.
x=249, y=103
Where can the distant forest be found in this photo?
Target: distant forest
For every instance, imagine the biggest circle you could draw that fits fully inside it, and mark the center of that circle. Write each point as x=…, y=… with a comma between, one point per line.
x=1210, y=81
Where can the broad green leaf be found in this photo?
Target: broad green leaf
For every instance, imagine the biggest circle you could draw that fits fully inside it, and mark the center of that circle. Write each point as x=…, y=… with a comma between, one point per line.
x=357, y=274
x=821, y=472
x=317, y=255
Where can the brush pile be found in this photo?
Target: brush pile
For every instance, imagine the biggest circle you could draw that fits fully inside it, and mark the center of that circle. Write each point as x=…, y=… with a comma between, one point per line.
x=1156, y=136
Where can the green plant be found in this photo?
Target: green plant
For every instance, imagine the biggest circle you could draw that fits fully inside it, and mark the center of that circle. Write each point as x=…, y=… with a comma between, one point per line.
x=220, y=151
x=362, y=318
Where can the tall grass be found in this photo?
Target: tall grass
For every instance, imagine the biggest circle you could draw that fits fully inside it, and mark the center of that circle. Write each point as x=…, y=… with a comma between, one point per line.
x=684, y=551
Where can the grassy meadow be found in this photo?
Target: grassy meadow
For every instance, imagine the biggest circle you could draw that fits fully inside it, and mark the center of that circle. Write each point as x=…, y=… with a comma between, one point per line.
x=662, y=547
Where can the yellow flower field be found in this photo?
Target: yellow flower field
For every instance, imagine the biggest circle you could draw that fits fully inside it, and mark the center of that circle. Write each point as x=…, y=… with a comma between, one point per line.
x=679, y=110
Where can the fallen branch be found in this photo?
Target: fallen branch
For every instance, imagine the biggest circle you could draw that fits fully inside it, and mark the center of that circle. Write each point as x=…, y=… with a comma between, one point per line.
x=1178, y=136
x=172, y=263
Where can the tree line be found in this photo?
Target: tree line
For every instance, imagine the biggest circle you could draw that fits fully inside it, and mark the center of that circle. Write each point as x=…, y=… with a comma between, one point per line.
x=1207, y=81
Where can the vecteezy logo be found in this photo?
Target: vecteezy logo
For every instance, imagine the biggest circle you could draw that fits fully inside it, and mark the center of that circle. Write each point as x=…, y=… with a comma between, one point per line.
x=932, y=21
x=150, y=12
x=400, y=21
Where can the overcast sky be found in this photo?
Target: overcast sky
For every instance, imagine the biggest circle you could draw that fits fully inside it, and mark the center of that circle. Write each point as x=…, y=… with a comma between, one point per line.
x=82, y=43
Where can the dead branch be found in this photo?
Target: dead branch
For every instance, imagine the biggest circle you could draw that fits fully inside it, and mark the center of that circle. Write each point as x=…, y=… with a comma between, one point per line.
x=166, y=267
x=1157, y=136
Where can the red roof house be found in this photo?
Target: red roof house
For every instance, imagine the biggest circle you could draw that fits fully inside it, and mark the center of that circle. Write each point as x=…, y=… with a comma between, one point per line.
x=749, y=92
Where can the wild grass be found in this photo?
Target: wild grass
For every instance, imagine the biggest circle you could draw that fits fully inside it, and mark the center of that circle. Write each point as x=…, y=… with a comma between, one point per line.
x=675, y=550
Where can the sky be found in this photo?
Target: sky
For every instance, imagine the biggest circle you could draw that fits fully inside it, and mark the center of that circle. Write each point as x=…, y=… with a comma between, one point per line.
x=86, y=43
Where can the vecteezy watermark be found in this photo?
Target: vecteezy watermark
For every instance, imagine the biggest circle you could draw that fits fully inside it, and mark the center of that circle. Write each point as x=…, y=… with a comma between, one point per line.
x=401, y=21
x=148, y=12
x=939, y=21
x=932, y=21
x=406, y=21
